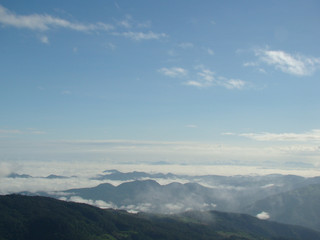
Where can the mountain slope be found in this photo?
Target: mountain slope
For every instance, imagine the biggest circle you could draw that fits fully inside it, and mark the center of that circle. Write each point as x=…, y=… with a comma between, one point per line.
x=23, y=218
x=223, y=193
x=227, y=193
x=150, y=196
x=300, y=206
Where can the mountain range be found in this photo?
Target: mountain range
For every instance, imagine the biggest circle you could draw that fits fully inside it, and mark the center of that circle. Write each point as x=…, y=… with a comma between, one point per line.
x=300, y=206
x=284, y=198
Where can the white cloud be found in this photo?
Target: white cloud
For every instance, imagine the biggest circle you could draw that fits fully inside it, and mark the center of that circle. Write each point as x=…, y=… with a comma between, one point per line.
x=207, y=78
x=146, y=24
x=66, y=92
x=142, y=207
x=263, y=216
x=228, y=134
x=210, y=51
x=36, y=132
x=250, y=64
x=174, y=207
x=136, y=152
x=202, y=77
x=301, y=150
x=194, y=83
x=159, y=149
x=6, y=169
x=173, y=72
x=270, y=185
x=17, y=131
x=14, y=185
x=44, y=39
x=297, y=64
x=97, y=203
x=191, y=126
x=137, y=36
x=233, y=83
x=205, y=74
x=172, y=53
x=125, y=23
x=10, y=131
x=128, y=22
x=111, y=46
x=262, y=70
x=45, y=22
x=313, y=135
x=186, y=45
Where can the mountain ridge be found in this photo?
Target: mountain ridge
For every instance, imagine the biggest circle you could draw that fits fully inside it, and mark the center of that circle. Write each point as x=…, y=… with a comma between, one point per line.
x=299, y=206
x=26, y=217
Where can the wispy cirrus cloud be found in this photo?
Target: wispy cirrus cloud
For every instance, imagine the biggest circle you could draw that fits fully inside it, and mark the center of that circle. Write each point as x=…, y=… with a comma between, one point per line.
x=66, y=92
x=202, y=77
x=206, y=78
x=313, y=135
x=125, y=22
x=44, y=22
x=294, y=64
x=210, y=51
x=194, y=83
x=44, y=39
x=205, y=74
x=174, y=72
x=191, y=126
x=29, y=131
x=10, y=131
x=250, y=64
x=129, y=22
x=137, y=36
x=185, y=45
x=232, y=83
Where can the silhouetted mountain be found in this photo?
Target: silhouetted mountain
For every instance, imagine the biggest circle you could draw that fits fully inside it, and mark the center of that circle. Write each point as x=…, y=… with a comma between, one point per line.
x=16, y=175
x=116, y=175
x=279, y=183
x=53, y=176
x=150, y=196
x=300, y=206
x=24, y=218
x=227, y=193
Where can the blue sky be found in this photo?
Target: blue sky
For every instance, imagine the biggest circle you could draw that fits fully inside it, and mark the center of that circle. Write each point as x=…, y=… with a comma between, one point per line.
x=175, y=81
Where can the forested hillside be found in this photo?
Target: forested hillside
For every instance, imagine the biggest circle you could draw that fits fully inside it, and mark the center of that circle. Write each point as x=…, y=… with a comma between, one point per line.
x=23, y=217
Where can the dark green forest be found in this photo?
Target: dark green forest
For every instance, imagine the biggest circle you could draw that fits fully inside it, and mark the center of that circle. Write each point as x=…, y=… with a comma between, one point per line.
x=27, y=217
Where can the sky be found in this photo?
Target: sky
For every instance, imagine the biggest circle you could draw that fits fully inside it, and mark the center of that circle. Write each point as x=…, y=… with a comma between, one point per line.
x=160, y=82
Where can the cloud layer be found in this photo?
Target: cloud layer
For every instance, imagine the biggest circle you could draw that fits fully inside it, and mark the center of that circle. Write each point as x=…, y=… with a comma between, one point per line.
x=45, y=22
x=137, y=36
x=313, y=135
x=202, y=77
x=297, y=64
x=173, y=72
